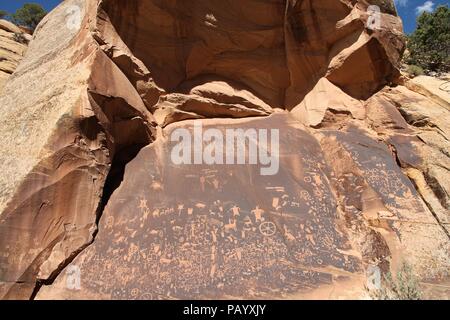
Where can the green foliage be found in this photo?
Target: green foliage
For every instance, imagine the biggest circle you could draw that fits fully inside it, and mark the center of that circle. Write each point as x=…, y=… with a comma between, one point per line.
x=415, y=70
x=429, y=45
x=3, y=14
x=404, y=287
x=29, y=15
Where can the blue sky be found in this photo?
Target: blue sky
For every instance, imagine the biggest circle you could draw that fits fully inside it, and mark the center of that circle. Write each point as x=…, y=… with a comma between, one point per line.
x=408, y=9
x=13, y=5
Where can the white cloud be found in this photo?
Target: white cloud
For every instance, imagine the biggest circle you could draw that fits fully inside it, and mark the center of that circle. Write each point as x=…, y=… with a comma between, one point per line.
x=401, y=3
x=428, y=6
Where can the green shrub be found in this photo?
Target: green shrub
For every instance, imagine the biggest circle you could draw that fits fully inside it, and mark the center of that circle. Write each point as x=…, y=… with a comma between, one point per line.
x=429, y=45
x=29, y=15
x=404, y=287
x=3, y=14
x=414, y=70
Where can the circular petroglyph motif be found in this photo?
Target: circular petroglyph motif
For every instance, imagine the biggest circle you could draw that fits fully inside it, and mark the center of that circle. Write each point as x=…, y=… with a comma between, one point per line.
x=267, y=228
x=133, y=249
x=135, y=292
x=147, y=296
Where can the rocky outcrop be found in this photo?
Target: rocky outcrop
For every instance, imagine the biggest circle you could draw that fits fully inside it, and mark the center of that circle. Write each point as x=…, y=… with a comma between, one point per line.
x=13, y=44
x=92, y=205
x=226, y=231
x=277, y=50
x=429, y=139
x=62, y=138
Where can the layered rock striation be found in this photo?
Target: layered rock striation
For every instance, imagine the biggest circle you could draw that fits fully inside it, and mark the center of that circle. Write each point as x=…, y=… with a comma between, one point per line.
x=13, y=44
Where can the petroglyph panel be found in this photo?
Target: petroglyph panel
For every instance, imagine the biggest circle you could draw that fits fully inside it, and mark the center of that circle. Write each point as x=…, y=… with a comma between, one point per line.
x=376, y=196
x=210, y=231
x=380, y=171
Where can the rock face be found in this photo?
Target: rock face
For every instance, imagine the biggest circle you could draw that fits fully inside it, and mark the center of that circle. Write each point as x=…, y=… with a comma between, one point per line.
x=277, y=50
x=92, y=204
x=13, y=44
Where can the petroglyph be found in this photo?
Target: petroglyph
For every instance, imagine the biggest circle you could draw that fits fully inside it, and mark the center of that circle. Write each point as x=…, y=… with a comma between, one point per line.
x=221, y=231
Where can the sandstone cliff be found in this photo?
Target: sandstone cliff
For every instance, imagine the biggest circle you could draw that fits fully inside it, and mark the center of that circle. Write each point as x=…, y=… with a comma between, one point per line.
x=88, y=190
x=13, y=44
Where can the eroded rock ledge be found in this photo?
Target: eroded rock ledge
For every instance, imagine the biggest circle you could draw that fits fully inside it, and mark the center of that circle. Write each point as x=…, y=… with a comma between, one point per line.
x=13, y=44
x=85, y=154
